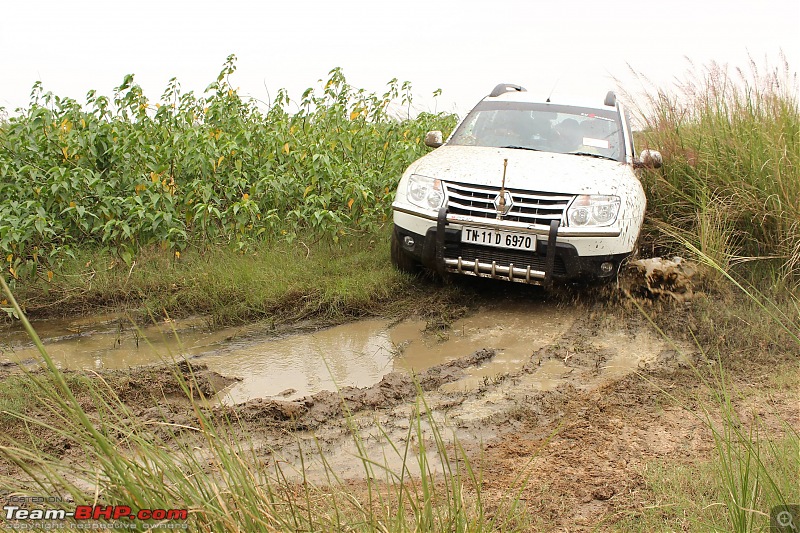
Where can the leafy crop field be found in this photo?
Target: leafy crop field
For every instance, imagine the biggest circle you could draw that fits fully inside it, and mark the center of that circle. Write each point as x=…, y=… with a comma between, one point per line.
x=123, y=172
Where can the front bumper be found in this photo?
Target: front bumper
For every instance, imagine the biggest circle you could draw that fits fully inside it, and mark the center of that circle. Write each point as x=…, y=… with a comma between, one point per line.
x=440, y=249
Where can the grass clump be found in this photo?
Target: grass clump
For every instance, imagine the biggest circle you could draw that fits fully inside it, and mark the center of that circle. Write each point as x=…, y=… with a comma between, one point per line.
x=755, y=463
x=716, y=495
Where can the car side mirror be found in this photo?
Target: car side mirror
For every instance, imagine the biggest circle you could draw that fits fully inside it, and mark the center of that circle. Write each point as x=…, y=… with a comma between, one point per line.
x=649, y=159
x=434, y=139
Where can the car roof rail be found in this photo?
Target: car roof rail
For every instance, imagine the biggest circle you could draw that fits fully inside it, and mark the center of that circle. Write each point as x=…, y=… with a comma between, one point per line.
x=611, y=99
x=503, y=88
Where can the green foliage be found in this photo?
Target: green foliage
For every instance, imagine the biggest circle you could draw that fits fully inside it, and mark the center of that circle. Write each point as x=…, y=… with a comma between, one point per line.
x=121, y=173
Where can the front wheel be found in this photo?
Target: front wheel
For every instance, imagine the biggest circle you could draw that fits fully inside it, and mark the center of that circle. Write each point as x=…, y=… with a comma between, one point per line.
x=401, y=260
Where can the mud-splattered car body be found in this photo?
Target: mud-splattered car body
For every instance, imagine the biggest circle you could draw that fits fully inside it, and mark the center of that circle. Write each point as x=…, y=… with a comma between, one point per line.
x=524, y=191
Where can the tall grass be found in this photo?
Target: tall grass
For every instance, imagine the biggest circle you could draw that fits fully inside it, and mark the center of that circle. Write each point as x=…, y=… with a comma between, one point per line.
x=729, y=194
x=758, y=468
x=731, y=179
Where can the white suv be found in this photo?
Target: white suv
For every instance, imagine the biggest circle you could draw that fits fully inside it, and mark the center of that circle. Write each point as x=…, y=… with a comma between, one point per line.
x=526, y=191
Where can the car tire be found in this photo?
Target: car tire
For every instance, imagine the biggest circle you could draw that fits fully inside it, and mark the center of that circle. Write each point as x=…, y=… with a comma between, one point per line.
x=401, y=260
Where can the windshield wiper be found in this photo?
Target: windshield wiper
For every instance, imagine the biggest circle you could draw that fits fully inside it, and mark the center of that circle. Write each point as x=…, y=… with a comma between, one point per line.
x=599, y=156
x=517, y=147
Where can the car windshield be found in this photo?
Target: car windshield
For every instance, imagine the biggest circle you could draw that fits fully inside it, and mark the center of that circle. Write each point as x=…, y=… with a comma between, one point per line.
x=545, y=127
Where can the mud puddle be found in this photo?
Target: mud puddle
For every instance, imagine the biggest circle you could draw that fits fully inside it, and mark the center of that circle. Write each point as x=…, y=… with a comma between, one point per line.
x=111, y=342
x=580, y=362
x=287, y=367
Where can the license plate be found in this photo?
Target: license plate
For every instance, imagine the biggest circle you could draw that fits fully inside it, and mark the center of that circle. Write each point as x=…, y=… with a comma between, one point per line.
x=498, y=238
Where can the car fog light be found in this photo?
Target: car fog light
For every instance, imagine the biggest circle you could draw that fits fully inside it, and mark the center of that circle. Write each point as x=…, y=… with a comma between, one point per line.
x=408, y=241
x=606, y=267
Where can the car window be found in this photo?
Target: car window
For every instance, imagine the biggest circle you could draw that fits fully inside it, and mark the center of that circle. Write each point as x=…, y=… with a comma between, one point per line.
x=550, y=128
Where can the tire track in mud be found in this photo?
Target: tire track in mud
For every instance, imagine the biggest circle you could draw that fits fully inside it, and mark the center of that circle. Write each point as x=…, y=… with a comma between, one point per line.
x=580, y=418
x=589, y=356
x=310, y=412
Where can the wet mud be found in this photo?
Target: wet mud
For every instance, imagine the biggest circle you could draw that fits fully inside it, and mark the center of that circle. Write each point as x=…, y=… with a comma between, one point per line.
x=293, y=365
x=569, y=398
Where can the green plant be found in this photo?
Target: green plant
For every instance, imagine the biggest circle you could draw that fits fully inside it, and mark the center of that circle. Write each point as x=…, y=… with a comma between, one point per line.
x=123, y=173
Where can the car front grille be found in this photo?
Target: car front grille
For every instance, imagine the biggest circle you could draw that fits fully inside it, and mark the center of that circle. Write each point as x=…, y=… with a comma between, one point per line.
x=529, y=207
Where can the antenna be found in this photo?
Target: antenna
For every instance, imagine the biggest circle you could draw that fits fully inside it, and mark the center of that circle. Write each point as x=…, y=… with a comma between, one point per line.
x=501, y=202
x=553, y=89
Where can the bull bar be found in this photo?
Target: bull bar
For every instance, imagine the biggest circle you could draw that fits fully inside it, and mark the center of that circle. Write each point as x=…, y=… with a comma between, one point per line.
x=493, y=270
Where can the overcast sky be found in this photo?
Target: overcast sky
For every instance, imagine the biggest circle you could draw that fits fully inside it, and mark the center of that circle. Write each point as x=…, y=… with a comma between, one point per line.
x=463, y=47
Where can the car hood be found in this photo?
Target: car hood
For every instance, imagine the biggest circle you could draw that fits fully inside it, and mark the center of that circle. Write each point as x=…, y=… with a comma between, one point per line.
x=527, y=169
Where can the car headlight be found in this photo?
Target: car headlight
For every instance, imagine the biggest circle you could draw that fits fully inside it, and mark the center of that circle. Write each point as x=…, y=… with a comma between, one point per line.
x=593, y=210
x=425, y=192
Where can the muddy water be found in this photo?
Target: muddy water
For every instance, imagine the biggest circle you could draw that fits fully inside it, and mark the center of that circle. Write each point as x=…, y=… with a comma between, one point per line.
x=355, y=354
x=516, y=332
x=111, y=342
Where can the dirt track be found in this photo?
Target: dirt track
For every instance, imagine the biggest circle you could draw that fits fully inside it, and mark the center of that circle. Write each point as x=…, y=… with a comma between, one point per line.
x=580, y=429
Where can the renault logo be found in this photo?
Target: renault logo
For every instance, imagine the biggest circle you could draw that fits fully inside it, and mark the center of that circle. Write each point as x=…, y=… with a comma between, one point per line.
x=504, y=206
